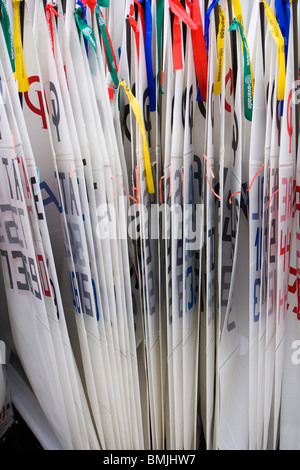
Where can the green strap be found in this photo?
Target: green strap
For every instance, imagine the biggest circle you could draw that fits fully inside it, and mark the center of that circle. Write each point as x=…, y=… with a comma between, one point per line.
x=103, y=3
x=7, y=34
x=159, y=21
x=248, y=91
x=107, y=47
x=85, y=29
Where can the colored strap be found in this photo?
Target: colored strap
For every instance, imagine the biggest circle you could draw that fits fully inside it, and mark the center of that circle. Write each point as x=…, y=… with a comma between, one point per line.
x=159, y=24
x=239, y=16
x=85, y=29
x=220, y=47
x=135, y=105
x=207, y=23
x=248, y=93
x=283, y=18
x=50, y=9
x=90, y=3
x=142, y=16
x=110, y=57
x=199, y=51
x=148, y=55
x=83, y=5
x=178, y=10
x=177, y=53
x=276, y=33
x=134, y=24
x=20, y=68
x=5, y=23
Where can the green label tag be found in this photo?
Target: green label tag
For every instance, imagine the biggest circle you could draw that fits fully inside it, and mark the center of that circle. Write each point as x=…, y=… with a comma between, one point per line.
x=107, y=47
x=7, y=34
x=85, y=29
x=248, y=91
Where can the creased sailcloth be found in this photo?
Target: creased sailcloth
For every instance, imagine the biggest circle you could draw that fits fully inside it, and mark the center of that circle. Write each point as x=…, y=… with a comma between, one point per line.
x=118, y=198
x=256, y=209
x=177, y=253
x=104, y=188
x=289, y=412
x=75, y=219
x=52, y=300
x=80, y=148
x=49, y=174
x=272, y=149
x=287, y=171
x=156, y=143
x=29, y=172
x=233, y=349
x=83, y=173
x=192, y=210
x=128, y=72
x=269, y=85
x=149, y=246
x=110, y=270
x=113, y=192
x=30, y=331
x=81, y=105
x=225, y=121
x=165, y=183
x=207, y=327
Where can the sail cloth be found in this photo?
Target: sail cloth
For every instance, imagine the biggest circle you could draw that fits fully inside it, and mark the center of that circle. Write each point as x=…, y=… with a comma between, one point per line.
x=149, y=220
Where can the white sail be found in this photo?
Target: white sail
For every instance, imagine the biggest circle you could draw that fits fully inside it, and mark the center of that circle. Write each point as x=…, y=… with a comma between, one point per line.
x=31, y=333
x=233, y=349
x=256, y=209
x=287, y=171
x=192, y=233
x=207, y=327
x=50, y=177
x=289, y=413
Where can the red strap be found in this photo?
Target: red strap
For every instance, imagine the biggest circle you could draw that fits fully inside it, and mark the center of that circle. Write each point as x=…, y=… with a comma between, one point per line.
x=177, y=53
x=90, y=3
x=110, y=43
x=136, y=29
x=199, y=50
x=142, y=15
x=178, y=10
x=49, y=8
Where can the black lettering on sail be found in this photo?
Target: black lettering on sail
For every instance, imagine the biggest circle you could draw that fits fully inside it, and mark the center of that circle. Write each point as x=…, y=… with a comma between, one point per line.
x=5, y=162
x=235, y=137
x=55, y=109
x=146, y=112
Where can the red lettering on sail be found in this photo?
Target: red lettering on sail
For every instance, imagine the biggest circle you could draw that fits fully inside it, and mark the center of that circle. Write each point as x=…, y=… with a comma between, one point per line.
x=40, y=111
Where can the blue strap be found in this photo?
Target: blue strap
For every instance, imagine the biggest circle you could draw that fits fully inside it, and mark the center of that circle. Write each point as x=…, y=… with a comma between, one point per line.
x=207, y=23
x=283, y=17
x=148, y=55
x=83, y=5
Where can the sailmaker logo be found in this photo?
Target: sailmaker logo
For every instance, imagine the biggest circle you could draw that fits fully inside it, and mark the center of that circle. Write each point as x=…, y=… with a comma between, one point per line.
x=248, y=81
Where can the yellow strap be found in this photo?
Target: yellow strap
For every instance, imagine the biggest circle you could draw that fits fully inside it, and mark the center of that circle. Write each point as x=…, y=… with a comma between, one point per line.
x=220, y=47
x=238, y=12
x=20, y=69
x=138, y=114
x=239, y=16
x=276, y=33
